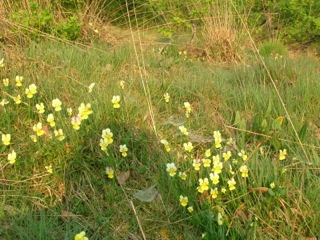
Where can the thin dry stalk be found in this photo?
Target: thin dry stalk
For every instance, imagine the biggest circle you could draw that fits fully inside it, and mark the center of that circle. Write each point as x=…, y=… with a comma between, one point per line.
x=138, y=220
x=141, y=67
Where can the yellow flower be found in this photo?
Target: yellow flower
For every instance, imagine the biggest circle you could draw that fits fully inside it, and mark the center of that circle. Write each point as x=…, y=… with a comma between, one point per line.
x=6, y=138
x=220, y=219
x=122, y=84
x=230, y=141
x=244, y=171
x=123, y=149
x=4, y=102
x=103, y=144
x=19, y=81
x=166, y=97
x=76, y=121
x=56, y=103
x=183, y=130
x=203, y=185
x=216, y=158
x=12, y=157
x=33, y=138
x=217, y=139
x=116, y=101
x=196, y=164
x=282, y=154
x=38, y=129
x=171, y=169
x=5, y=82
x=31, y=90
x=50, y=120
x=217, y=167
x=190, y=209
x=208, y=153
x=272, y=185
x=261, y=150
x=188, y=108
x=214, y=193
x=81, y=236
x=107, y=135
x=91, y=87
x=84, y=110
x=214, y=177
x=206, y=162
x=230, y=169
x=188, y=146
x=59, y=134
x=40, y=108
x=243, y=155
x=223, y=190
x=226, y=156
x=17, y=99
x=2, y=62
x=110, y=172
x=166, y=145
x=183, y=176
x=49, y=169
x=232, y=184
x=183, y=201
x=69, y=111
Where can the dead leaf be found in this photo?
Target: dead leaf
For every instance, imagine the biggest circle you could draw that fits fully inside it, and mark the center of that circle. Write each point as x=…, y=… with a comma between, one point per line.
x=66, y=214
x=164, y=234
x=174, y=122
x=260, y=189
x=123, y=177
x=146, y=195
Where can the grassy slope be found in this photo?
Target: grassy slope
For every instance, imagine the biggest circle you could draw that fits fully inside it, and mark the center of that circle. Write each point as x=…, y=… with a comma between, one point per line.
x=38, y=208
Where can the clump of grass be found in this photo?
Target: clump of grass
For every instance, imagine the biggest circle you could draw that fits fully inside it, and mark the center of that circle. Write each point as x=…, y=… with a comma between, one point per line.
x=222, y=34
x=275, y=49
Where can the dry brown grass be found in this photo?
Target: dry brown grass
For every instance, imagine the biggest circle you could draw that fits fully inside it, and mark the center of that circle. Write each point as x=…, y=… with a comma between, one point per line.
x=224, y=40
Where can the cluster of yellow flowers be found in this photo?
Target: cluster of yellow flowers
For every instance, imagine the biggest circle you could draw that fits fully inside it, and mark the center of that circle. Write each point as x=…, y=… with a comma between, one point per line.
x=214, y=172
x=54, y=109
x=212, y=175
x=105, y=141
x=84, y=110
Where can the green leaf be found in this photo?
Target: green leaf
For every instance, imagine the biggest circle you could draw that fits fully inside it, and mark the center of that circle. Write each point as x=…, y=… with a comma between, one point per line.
x=269, y=109
x=303, y=132
x=237, y=119
x=276, y=143
x=271, y=192
x=264, y=125
x=256, y=126
x=277, y=123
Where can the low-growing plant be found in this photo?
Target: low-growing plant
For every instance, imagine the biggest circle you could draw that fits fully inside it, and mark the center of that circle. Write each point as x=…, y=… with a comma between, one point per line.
x=70, y=30
x=41, y=20
x=274, y=49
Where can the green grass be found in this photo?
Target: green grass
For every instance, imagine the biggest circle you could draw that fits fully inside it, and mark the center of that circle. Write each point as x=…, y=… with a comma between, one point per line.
x=78, y=196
